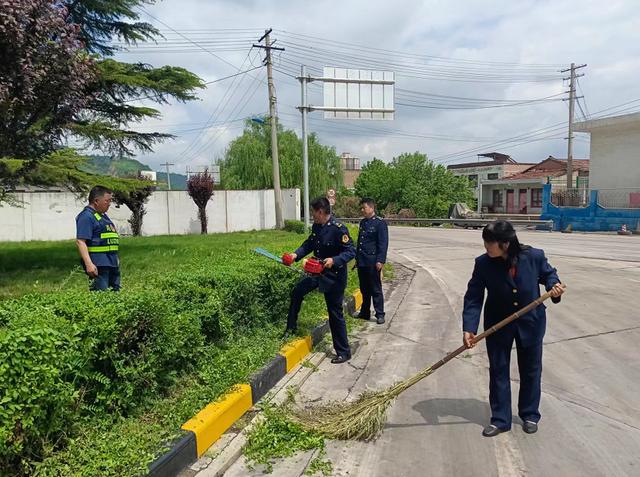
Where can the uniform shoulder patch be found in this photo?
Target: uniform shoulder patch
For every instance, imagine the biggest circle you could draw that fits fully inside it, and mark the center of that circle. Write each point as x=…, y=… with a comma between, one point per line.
x=345, y=238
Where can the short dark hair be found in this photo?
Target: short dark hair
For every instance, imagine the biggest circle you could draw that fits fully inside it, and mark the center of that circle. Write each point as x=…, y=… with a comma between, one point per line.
x=97, y=192
x=369, y=201
x=321, y=203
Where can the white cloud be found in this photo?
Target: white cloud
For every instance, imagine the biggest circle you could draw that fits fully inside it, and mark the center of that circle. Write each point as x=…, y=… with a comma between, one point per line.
x=605, y=36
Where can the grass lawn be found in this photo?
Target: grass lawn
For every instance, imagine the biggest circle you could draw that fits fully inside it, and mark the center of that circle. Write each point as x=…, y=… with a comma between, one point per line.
x=114, y=445
x=51, y=266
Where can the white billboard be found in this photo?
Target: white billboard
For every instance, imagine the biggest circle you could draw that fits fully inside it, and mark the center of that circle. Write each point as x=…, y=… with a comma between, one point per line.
x=358, y=94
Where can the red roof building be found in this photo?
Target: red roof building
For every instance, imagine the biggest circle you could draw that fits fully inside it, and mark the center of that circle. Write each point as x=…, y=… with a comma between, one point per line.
x=521, y=193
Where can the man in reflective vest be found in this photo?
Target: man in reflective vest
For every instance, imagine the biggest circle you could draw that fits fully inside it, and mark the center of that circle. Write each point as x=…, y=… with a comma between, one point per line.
x=98, y=240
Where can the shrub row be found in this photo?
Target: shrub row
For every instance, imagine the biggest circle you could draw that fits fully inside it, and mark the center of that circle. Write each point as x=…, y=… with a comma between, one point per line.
x=69, y=357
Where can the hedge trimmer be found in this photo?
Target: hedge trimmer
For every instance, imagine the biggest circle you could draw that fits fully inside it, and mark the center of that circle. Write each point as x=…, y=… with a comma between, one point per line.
x=311, y=266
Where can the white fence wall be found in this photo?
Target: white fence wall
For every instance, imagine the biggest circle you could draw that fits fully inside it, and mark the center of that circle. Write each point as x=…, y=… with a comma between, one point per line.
x=51, y=215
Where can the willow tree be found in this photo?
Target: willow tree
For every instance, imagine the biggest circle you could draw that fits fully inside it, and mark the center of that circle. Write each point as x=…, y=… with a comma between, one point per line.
x=247, y=163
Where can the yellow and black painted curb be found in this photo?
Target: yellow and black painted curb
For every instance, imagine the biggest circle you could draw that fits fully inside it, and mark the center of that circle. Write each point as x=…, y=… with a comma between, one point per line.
x=206, y=427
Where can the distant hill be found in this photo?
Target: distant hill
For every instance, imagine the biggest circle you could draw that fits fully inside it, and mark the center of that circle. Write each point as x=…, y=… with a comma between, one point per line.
x=178, y=181
x=106, y=166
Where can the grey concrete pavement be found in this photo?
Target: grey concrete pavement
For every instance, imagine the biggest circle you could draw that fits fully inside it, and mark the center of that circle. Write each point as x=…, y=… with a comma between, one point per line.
x=591, y=380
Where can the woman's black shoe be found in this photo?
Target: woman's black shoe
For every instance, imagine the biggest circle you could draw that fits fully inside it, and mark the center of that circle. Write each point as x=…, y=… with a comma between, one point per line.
x=492, y=431
x=340, y=359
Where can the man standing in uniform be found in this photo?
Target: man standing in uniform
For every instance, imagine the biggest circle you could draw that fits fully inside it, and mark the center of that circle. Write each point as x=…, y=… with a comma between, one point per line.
x=98, y=240
x=330, y=242
x=373, y=241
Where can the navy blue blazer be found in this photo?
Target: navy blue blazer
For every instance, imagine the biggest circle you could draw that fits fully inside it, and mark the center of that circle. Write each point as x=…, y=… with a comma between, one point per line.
x=330, y=240
x=505, y=295
x=373, y=242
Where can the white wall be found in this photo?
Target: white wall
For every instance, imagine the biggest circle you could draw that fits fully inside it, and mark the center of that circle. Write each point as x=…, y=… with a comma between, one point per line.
x=615, y=158
x=51, y=215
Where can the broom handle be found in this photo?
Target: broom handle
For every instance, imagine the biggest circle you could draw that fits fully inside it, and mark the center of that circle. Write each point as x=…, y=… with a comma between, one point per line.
x=493, y=329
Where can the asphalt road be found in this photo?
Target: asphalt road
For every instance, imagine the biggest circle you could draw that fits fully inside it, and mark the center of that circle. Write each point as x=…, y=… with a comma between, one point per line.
x=591, y=379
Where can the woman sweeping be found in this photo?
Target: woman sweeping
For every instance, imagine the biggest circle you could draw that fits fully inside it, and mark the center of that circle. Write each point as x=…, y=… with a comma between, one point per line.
x=512, y=274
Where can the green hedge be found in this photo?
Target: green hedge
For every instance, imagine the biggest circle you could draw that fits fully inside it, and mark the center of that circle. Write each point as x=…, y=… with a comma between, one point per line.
x=296, y=226
x=69, y=357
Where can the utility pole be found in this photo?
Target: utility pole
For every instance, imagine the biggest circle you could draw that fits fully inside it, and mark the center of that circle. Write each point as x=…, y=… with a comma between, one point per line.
x=305, y=148
x=572, y=99
x=274, y=126
x=167, y=164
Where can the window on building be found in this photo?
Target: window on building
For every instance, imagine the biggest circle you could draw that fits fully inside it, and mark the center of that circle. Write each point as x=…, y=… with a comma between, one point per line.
x=497, y=198
x=536, y=197
x=492, y=176
x=473, y=179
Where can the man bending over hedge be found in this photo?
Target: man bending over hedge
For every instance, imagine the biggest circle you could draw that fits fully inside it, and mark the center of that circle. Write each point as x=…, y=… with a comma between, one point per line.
x=330, y=242
x=98, y=240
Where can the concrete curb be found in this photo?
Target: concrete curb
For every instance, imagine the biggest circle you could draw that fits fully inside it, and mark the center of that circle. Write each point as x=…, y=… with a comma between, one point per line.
x=182, y=453
x=206, y=427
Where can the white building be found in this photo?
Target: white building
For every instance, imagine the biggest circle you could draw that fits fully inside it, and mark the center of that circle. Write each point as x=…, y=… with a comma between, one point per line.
x=615, y=151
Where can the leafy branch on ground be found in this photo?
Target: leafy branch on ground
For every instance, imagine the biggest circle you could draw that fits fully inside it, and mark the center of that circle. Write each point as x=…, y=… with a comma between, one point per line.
x=277, y=437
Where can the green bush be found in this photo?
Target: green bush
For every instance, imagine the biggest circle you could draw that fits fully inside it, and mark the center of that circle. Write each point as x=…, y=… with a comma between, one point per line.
x=76, y=355
x=37, y=401
x=296, y=226
x=98, y=383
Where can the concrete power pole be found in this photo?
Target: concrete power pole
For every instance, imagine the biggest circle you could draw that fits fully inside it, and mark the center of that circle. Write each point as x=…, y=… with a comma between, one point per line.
x=572, y=100
x=274, y=127
x=167, y=164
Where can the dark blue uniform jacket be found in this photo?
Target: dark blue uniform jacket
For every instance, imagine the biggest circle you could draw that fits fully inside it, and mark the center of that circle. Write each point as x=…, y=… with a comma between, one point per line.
x=373, y=241
x=330, y=240
x=505, y=295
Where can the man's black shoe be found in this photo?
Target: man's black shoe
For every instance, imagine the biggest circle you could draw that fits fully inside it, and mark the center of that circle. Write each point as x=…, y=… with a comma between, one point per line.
x=289, y=332
x=530, y=427
x=340, y=359
x=492, y=431
x=380, y=320
x=361, y=316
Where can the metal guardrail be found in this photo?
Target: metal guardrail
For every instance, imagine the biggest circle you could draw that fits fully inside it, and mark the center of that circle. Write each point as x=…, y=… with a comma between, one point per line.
x=547, y=224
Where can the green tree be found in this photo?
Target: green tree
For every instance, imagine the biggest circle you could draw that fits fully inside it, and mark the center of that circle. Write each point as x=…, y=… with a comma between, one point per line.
x=57, y=81
x=135, y=200
x=44, y=75
x=104, y=123
x=411, y=181
x=377, y=180
x=248, y=165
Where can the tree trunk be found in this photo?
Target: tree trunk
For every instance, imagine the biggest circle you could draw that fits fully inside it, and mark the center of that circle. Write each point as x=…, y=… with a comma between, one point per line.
x=202, y=214
x=136, y=219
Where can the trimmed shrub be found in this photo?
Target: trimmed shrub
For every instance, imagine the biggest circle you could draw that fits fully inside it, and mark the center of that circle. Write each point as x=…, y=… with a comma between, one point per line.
x=71, y=356
x=296, y=226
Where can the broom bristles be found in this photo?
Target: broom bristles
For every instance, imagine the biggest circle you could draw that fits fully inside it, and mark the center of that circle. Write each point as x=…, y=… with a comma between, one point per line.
x=362, y=419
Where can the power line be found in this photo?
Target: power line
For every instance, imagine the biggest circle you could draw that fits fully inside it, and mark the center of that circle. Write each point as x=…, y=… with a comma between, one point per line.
x=256, y=86
x=446, y=158
x=207, y=82
x=190, y=147
x=412, y=72
x=405, y=54
x=307, y=50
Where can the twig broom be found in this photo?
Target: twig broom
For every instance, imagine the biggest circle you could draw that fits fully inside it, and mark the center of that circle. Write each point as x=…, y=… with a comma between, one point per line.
x=364, y=418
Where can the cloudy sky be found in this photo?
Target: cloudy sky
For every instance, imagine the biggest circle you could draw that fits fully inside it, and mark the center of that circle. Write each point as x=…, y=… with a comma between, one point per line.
x=463, y=70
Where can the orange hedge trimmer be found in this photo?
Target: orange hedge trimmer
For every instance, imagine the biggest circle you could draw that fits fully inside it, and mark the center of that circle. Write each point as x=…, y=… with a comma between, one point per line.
x=311, y=266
